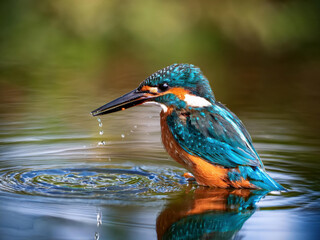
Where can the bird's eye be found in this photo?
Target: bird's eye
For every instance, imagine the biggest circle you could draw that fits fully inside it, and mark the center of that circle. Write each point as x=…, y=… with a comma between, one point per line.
x=163, y=86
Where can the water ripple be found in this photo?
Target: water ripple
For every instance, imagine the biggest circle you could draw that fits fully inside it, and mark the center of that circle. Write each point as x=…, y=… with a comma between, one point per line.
x=97, y=182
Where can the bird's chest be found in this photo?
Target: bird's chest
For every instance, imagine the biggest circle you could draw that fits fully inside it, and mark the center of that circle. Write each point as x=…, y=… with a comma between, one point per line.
x=171, y=145
x=204, y=172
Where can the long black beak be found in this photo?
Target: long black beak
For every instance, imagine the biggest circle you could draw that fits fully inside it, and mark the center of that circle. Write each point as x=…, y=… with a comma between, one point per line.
x=128, y=100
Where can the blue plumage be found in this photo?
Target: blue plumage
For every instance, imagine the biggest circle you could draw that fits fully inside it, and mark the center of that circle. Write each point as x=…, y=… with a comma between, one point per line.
x=186, y=76
x=213, y=137
x=219, y=137
x=200, y=127
x=259, y=178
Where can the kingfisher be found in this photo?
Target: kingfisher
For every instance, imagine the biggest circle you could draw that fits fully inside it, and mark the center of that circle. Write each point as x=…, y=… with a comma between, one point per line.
x=197, y=131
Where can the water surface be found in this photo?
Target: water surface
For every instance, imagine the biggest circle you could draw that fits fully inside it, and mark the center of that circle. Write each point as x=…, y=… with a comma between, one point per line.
x=61, y=179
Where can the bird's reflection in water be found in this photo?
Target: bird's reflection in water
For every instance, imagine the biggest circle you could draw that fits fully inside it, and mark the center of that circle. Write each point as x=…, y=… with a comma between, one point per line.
x=207, y=214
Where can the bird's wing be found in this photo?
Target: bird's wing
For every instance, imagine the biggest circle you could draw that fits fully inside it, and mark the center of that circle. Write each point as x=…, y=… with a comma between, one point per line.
x=215, y=134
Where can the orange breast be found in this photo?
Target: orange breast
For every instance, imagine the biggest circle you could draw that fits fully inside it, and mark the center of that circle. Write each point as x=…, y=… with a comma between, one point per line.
x=205, y=173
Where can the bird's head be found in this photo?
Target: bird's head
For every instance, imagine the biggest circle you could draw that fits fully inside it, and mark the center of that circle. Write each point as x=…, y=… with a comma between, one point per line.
x=176, y=86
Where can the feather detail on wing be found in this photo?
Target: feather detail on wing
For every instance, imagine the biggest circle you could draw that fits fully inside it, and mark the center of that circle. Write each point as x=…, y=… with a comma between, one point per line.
x=215, y=134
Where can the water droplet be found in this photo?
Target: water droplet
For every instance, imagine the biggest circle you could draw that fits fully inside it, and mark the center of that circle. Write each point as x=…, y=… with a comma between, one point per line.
x=123, y=136
x=100, y=124
x=101, y=132
x=96, y=236
x=101, y=143
x=135, y=126
x=99, y=218
x=99, y=120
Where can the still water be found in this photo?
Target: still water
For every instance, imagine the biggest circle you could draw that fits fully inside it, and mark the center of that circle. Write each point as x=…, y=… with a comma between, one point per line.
x=65, y=175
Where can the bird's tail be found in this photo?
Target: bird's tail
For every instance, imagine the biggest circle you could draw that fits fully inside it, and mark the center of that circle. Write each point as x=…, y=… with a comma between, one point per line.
x=260, y=178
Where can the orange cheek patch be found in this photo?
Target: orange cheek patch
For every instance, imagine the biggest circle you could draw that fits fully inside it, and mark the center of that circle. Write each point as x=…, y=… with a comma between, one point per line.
x=179, y=92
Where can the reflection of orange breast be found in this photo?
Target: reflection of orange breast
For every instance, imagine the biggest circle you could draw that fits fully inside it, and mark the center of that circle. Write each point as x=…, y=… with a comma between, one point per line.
x=204, y=205
x=205, y=173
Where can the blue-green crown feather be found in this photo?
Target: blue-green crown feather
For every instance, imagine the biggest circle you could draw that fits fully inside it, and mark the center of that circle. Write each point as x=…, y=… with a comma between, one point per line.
x=182, y=75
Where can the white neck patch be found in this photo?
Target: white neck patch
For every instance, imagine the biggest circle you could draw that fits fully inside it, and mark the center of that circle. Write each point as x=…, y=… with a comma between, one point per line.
x=190, y=100
x=164, y=107
x=195, y=101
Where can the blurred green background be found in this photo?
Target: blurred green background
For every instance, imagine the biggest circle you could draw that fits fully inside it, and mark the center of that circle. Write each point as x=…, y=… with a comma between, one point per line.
x=263, y=52
x=61, y=59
